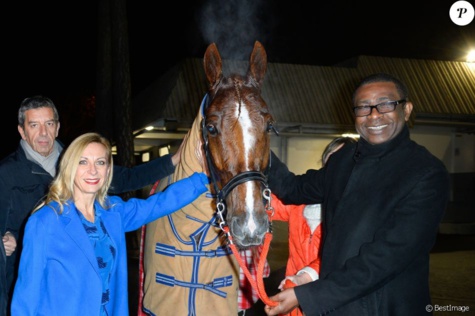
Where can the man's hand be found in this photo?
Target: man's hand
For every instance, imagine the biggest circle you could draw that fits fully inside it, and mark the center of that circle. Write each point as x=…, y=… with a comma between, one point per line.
x=287, y=302
x=298, y=279
x=9, y=242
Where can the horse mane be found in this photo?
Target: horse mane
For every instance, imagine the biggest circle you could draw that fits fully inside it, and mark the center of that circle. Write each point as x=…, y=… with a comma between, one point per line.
x=191, y=158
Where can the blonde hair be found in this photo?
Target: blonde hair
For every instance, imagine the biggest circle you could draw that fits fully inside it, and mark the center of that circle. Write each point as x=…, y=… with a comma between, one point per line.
x=334, y=146
x=62, y=188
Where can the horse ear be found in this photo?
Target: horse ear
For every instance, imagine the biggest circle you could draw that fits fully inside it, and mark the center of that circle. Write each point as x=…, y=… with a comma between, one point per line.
x=213, y=64
x=258, y=63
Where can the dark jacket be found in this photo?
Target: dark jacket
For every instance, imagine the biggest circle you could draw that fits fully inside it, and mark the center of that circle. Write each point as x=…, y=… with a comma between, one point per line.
x=382, y=208
x=3, y=282
x=23, y=184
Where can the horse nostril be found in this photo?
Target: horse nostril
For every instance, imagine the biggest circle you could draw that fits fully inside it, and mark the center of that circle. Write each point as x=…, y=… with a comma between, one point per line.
x=248, y=231
x=236, y=230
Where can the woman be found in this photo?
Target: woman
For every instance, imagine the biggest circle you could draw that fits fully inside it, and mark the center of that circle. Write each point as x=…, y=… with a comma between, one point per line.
x=74, y=260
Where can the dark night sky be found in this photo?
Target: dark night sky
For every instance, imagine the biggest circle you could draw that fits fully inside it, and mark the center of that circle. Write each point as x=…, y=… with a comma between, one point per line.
x=50, y=48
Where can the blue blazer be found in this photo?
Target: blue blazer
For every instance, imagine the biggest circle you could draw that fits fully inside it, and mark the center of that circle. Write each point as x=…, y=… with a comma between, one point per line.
x=58, y=272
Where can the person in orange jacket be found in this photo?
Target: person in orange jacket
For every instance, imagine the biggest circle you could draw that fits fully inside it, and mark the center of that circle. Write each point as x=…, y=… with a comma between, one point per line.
x=303, y=264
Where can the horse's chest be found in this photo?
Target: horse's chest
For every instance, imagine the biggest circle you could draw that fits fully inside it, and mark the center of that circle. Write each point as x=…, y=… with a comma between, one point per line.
x=187, y=257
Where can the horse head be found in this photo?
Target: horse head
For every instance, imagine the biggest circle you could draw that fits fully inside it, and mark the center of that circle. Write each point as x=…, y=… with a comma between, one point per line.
x=236, y=135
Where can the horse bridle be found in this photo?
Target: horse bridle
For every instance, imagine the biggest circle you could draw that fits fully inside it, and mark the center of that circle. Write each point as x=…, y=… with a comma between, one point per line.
x=235, y=181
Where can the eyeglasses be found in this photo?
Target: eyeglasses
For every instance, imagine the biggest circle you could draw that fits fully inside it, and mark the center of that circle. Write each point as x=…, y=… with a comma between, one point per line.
x=384, y=107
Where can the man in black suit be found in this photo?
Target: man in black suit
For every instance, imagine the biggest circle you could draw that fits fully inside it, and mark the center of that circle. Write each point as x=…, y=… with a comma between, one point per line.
x=383, y=200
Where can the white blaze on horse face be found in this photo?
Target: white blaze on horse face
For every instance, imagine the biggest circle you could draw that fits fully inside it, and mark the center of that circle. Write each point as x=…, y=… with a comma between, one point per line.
x=249, y=142
x=242, y=115
x=251, y=225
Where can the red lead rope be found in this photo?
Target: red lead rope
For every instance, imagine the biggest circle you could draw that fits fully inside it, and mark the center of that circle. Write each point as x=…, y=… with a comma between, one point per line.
x=258, y=284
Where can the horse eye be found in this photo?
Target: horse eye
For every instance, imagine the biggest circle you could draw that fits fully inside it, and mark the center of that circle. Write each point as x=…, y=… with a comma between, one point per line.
x=211, y=129
x=270, y=126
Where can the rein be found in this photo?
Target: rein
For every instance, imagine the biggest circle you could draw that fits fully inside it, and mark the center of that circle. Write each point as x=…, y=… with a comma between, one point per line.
x=257, y=284
x=221, y=195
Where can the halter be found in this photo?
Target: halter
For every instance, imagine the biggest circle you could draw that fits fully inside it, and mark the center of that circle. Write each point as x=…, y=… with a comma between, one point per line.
x=236, y=180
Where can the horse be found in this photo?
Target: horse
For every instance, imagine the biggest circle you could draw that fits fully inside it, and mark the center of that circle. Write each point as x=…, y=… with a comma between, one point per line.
x=188, y=266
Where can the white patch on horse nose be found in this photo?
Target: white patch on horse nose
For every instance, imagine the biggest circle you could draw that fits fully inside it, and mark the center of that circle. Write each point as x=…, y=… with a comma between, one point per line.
x=251, y=224
x=249, y=142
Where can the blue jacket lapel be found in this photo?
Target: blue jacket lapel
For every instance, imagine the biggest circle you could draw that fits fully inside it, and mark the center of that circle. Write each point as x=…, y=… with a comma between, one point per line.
x=75, y=230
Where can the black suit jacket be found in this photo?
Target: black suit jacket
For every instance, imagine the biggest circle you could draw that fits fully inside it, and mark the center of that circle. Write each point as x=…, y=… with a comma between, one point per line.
x=3, y=282
x=382, y=205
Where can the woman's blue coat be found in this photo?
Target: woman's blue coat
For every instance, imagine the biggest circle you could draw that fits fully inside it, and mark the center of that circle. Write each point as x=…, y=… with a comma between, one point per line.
x=58, y=268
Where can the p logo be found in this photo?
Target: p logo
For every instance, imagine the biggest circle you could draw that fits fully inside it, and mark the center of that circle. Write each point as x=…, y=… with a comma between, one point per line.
x=462, y=13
